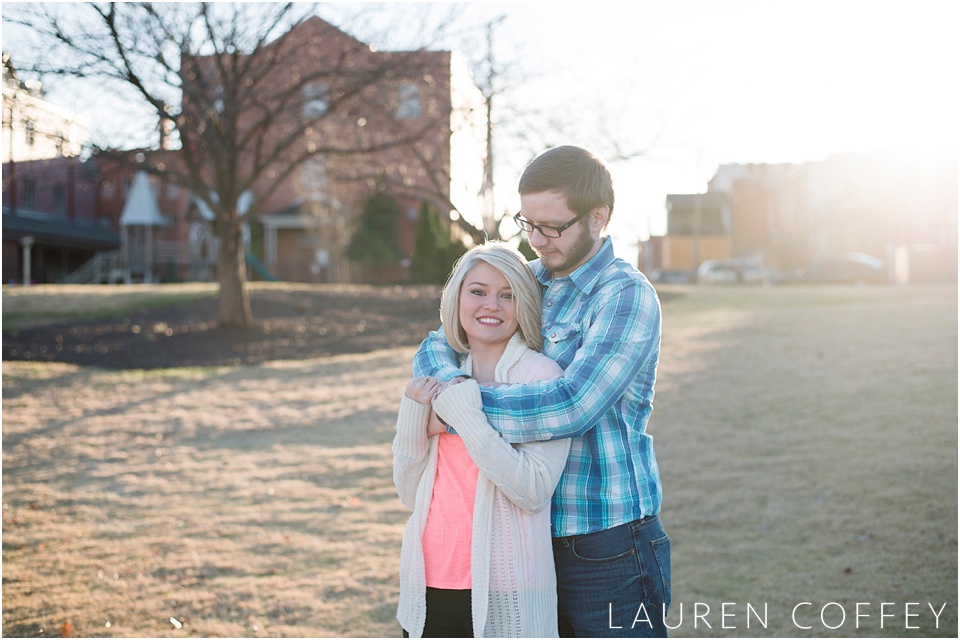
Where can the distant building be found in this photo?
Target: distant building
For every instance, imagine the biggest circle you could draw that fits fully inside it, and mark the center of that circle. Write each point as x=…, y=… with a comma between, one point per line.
x=33, y=128
x=51, y=221
x=699, y=228
x=902, y=210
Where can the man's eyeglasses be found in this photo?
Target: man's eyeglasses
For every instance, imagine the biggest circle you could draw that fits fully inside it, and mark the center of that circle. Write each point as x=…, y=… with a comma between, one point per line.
x=546, y=230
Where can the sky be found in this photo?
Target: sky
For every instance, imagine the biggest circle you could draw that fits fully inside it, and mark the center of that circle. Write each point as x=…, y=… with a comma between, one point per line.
x=698, y=84
x=709, y=83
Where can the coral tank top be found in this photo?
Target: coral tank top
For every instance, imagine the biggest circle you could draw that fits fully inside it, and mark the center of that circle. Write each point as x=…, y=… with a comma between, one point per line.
x=448, y=532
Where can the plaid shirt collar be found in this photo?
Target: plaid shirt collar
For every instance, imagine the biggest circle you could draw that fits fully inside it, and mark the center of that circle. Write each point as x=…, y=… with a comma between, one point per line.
x=586, y=276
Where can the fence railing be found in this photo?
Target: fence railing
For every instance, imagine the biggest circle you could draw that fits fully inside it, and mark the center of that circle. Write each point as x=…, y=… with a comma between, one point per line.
x=102, y=268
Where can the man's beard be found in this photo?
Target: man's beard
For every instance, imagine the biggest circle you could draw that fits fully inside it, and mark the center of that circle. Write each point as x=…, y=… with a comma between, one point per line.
x=573, y=256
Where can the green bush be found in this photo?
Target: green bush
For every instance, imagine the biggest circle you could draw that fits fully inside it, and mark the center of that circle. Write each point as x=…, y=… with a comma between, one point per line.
x=374, y=241
x=433, y=252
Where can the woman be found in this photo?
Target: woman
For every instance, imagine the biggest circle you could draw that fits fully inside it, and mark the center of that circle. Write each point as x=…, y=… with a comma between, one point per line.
x=477, y=558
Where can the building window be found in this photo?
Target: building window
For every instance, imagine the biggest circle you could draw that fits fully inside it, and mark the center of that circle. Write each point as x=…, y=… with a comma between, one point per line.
x=29, y=193
x=313, y=178
x=29, y=132
x=316, y=99
x=218, y=103
x=59, y=198
x=409, y=105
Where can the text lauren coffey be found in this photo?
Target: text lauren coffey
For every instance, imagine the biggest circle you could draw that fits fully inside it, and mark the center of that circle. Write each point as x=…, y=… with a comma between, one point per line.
x=805, y=615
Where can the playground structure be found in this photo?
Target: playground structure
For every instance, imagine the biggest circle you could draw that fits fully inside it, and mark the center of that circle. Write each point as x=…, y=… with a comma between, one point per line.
x=147, y=255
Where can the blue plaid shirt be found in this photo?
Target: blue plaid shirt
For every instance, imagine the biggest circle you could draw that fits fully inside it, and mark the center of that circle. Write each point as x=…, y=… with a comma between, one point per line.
x=601, y=323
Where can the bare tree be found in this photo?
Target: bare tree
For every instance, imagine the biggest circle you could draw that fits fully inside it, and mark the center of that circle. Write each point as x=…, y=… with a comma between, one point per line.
x=477, y=41
x=517, y=130
x=235, y=102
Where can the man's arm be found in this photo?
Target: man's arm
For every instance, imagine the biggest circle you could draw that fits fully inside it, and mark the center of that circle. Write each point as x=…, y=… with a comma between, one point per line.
x=621, y=344
x=527, y=475
x=435, y=358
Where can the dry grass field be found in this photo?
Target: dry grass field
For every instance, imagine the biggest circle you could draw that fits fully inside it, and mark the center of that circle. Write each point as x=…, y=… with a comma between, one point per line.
x=807, y=439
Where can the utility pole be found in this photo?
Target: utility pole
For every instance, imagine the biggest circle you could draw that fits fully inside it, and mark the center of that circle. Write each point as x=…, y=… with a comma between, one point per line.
x=697, y=218
x=490, y=223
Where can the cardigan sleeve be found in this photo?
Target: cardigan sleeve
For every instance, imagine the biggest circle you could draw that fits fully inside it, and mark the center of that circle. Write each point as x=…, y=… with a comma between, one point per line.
x=526, y=474
x=410, y=448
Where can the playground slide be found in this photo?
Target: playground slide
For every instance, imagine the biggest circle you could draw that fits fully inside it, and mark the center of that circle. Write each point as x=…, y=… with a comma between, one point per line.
x=259, y=268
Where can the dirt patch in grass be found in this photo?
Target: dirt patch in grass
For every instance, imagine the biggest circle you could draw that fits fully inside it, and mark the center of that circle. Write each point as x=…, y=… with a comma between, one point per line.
x=155, y=330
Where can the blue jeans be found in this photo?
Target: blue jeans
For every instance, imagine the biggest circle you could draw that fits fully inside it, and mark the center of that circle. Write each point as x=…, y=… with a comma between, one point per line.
x=614, y=583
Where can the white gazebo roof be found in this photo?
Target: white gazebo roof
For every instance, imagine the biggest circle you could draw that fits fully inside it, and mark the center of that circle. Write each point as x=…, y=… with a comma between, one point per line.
x=205, y=212
x=141, y=208
x=243, y=204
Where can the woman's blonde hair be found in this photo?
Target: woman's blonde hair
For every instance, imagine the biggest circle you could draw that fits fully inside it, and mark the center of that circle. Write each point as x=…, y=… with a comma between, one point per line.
x=526, y=293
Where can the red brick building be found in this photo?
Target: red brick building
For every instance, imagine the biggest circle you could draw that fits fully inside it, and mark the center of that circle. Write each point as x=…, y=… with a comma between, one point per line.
x=51, y=219
x=411, y=124
x=361, y=104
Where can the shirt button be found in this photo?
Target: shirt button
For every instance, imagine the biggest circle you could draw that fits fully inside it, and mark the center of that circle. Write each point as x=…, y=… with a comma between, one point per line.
x=549, y=303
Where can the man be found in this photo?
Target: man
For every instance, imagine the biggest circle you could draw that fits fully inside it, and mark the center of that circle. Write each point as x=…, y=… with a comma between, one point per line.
x=601, y=323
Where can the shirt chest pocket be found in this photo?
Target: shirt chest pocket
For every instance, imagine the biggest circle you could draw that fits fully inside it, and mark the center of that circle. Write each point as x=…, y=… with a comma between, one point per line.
x=561, y=341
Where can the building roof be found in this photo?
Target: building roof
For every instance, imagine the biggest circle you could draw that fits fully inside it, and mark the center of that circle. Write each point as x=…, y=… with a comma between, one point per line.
x=57, y=231
x=141, y=208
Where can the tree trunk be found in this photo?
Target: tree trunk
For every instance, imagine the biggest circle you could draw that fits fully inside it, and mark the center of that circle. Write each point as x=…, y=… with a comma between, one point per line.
x=234, y=310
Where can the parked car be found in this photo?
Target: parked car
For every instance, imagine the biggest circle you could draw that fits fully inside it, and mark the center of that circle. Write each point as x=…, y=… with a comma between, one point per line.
x=846, y=268
x=731, y=270
x=661, y=276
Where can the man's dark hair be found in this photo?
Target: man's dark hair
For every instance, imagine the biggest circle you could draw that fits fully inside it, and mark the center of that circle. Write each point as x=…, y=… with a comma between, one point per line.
x=577, y=174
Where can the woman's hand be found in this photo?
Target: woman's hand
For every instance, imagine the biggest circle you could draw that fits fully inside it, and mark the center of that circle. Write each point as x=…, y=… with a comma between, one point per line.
x=436, y=424
x=422, y=390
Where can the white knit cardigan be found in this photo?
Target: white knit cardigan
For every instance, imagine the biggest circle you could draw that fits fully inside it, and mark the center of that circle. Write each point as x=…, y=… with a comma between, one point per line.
x=513, y=586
